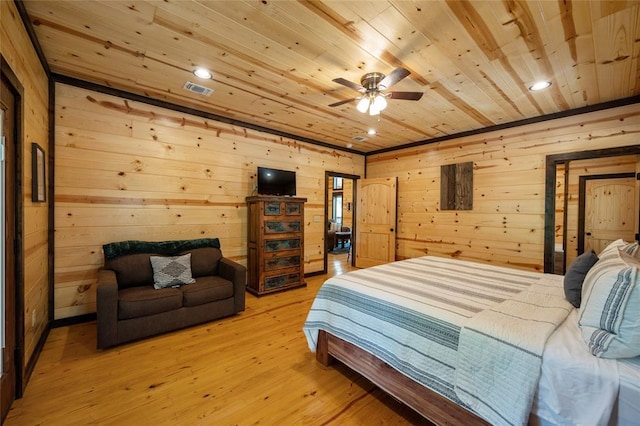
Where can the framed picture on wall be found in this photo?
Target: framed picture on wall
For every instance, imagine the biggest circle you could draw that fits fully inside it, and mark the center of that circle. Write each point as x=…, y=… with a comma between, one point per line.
x=38, y=186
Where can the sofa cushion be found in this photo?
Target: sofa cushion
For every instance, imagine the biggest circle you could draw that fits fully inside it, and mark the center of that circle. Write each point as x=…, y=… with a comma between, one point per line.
x=171, y=271
x=204, y=261
x=135, y=302
x=205, y=290
x=132, y=270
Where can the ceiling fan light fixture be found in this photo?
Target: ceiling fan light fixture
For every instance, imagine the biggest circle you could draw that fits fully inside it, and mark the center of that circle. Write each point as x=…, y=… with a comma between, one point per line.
x=363, y=104
x=379, y=103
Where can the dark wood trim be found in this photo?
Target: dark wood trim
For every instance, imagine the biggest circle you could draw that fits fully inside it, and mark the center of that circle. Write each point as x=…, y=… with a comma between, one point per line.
x=552, y=161
x=51, y=194
x=354, y=178
x=549, y=214
x=192, y=111
x=554, y=116
x=423, y=400
x=12, y=78
x=565, y=221
x=31, y=364
x=24, y=16
x=79, y=319
x=582, y=202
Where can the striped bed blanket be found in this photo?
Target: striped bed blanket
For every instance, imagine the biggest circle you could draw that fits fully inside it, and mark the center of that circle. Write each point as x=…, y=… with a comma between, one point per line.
x=431, y=319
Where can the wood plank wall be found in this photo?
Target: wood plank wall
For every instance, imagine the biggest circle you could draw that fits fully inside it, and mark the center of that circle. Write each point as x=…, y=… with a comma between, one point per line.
x=506, y=225
x=127, y=170
x=19, y=54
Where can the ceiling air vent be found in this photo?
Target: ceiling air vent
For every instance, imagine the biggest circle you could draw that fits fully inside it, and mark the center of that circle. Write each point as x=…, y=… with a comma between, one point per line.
x=359, y=138
x=196, y=88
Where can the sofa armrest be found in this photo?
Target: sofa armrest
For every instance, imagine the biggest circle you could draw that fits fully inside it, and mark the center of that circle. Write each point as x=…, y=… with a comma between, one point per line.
x=237, y=274
x=107, y=307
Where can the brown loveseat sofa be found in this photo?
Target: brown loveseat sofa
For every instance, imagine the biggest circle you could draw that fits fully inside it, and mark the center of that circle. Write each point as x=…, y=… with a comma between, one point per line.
x=130, y=308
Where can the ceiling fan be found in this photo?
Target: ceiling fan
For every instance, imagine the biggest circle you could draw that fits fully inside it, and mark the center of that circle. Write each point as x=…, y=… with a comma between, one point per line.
x=372, y=86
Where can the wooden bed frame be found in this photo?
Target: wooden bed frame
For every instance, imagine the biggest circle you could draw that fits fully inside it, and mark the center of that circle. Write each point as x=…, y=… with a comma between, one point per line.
x=428, y=403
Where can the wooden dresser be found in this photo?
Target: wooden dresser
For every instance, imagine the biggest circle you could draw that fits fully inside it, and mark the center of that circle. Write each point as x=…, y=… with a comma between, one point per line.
x=275, y=241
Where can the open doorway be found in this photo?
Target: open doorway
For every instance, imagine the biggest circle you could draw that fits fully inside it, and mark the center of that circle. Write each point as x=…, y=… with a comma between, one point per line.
x=340, y=195
x=565, y=227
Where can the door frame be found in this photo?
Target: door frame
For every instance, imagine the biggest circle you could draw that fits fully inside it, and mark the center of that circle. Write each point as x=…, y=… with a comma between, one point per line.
x=582, y=191
x=18, y=89
x=354, y=178
x=552, y=161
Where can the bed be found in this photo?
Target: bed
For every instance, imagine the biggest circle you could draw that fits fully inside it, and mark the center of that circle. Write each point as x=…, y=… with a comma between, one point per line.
x=468, y=343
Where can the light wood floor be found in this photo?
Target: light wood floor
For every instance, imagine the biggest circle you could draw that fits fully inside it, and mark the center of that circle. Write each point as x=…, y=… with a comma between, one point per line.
x=252, y=368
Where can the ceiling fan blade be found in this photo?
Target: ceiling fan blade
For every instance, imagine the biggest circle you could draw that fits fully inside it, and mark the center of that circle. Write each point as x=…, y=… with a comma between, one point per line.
x=407, y=96
x=350, y=84
x=343, y=102
x=395, y=76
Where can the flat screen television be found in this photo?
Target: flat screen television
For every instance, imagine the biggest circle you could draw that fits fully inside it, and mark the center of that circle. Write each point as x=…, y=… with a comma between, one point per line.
x=276, y=182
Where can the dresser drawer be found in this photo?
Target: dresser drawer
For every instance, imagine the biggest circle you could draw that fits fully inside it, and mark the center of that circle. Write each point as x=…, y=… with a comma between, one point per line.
x=274, y=263
x=278, y=281
x=282, y=244
x=281, y=226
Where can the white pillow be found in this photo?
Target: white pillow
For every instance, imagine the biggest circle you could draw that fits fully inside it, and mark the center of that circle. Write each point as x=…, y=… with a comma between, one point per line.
x=609, y=316
x=632, y=249
x=171, y=271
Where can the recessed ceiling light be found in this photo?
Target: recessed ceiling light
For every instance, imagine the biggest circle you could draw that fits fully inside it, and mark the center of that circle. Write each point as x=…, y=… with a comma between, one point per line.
x=202, y=73
x=539, y=85
x=371, y=132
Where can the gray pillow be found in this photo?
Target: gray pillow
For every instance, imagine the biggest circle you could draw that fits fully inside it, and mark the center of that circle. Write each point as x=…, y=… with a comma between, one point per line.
x=575, y=274
x=171, y=271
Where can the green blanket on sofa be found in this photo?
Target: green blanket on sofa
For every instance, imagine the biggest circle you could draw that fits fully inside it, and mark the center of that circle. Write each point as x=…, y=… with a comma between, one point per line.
x=113, y=250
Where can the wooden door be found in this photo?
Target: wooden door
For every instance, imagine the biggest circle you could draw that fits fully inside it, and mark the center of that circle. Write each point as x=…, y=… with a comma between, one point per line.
x=610, y=211
x=376, y=221
x=9, y=369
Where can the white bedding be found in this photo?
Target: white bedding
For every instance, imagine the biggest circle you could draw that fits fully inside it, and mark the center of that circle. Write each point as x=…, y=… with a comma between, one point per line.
x=577, y=388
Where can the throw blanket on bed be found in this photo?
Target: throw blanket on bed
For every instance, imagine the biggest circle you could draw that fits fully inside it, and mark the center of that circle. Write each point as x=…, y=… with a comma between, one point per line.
x=409, y=313
x=500, y=352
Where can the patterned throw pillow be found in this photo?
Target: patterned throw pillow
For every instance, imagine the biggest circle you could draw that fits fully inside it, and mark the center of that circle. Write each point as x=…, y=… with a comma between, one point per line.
x=609, y=317
x=171, y=271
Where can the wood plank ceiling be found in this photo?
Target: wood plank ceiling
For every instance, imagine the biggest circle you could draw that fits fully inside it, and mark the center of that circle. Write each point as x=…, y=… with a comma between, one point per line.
x=274, y=61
